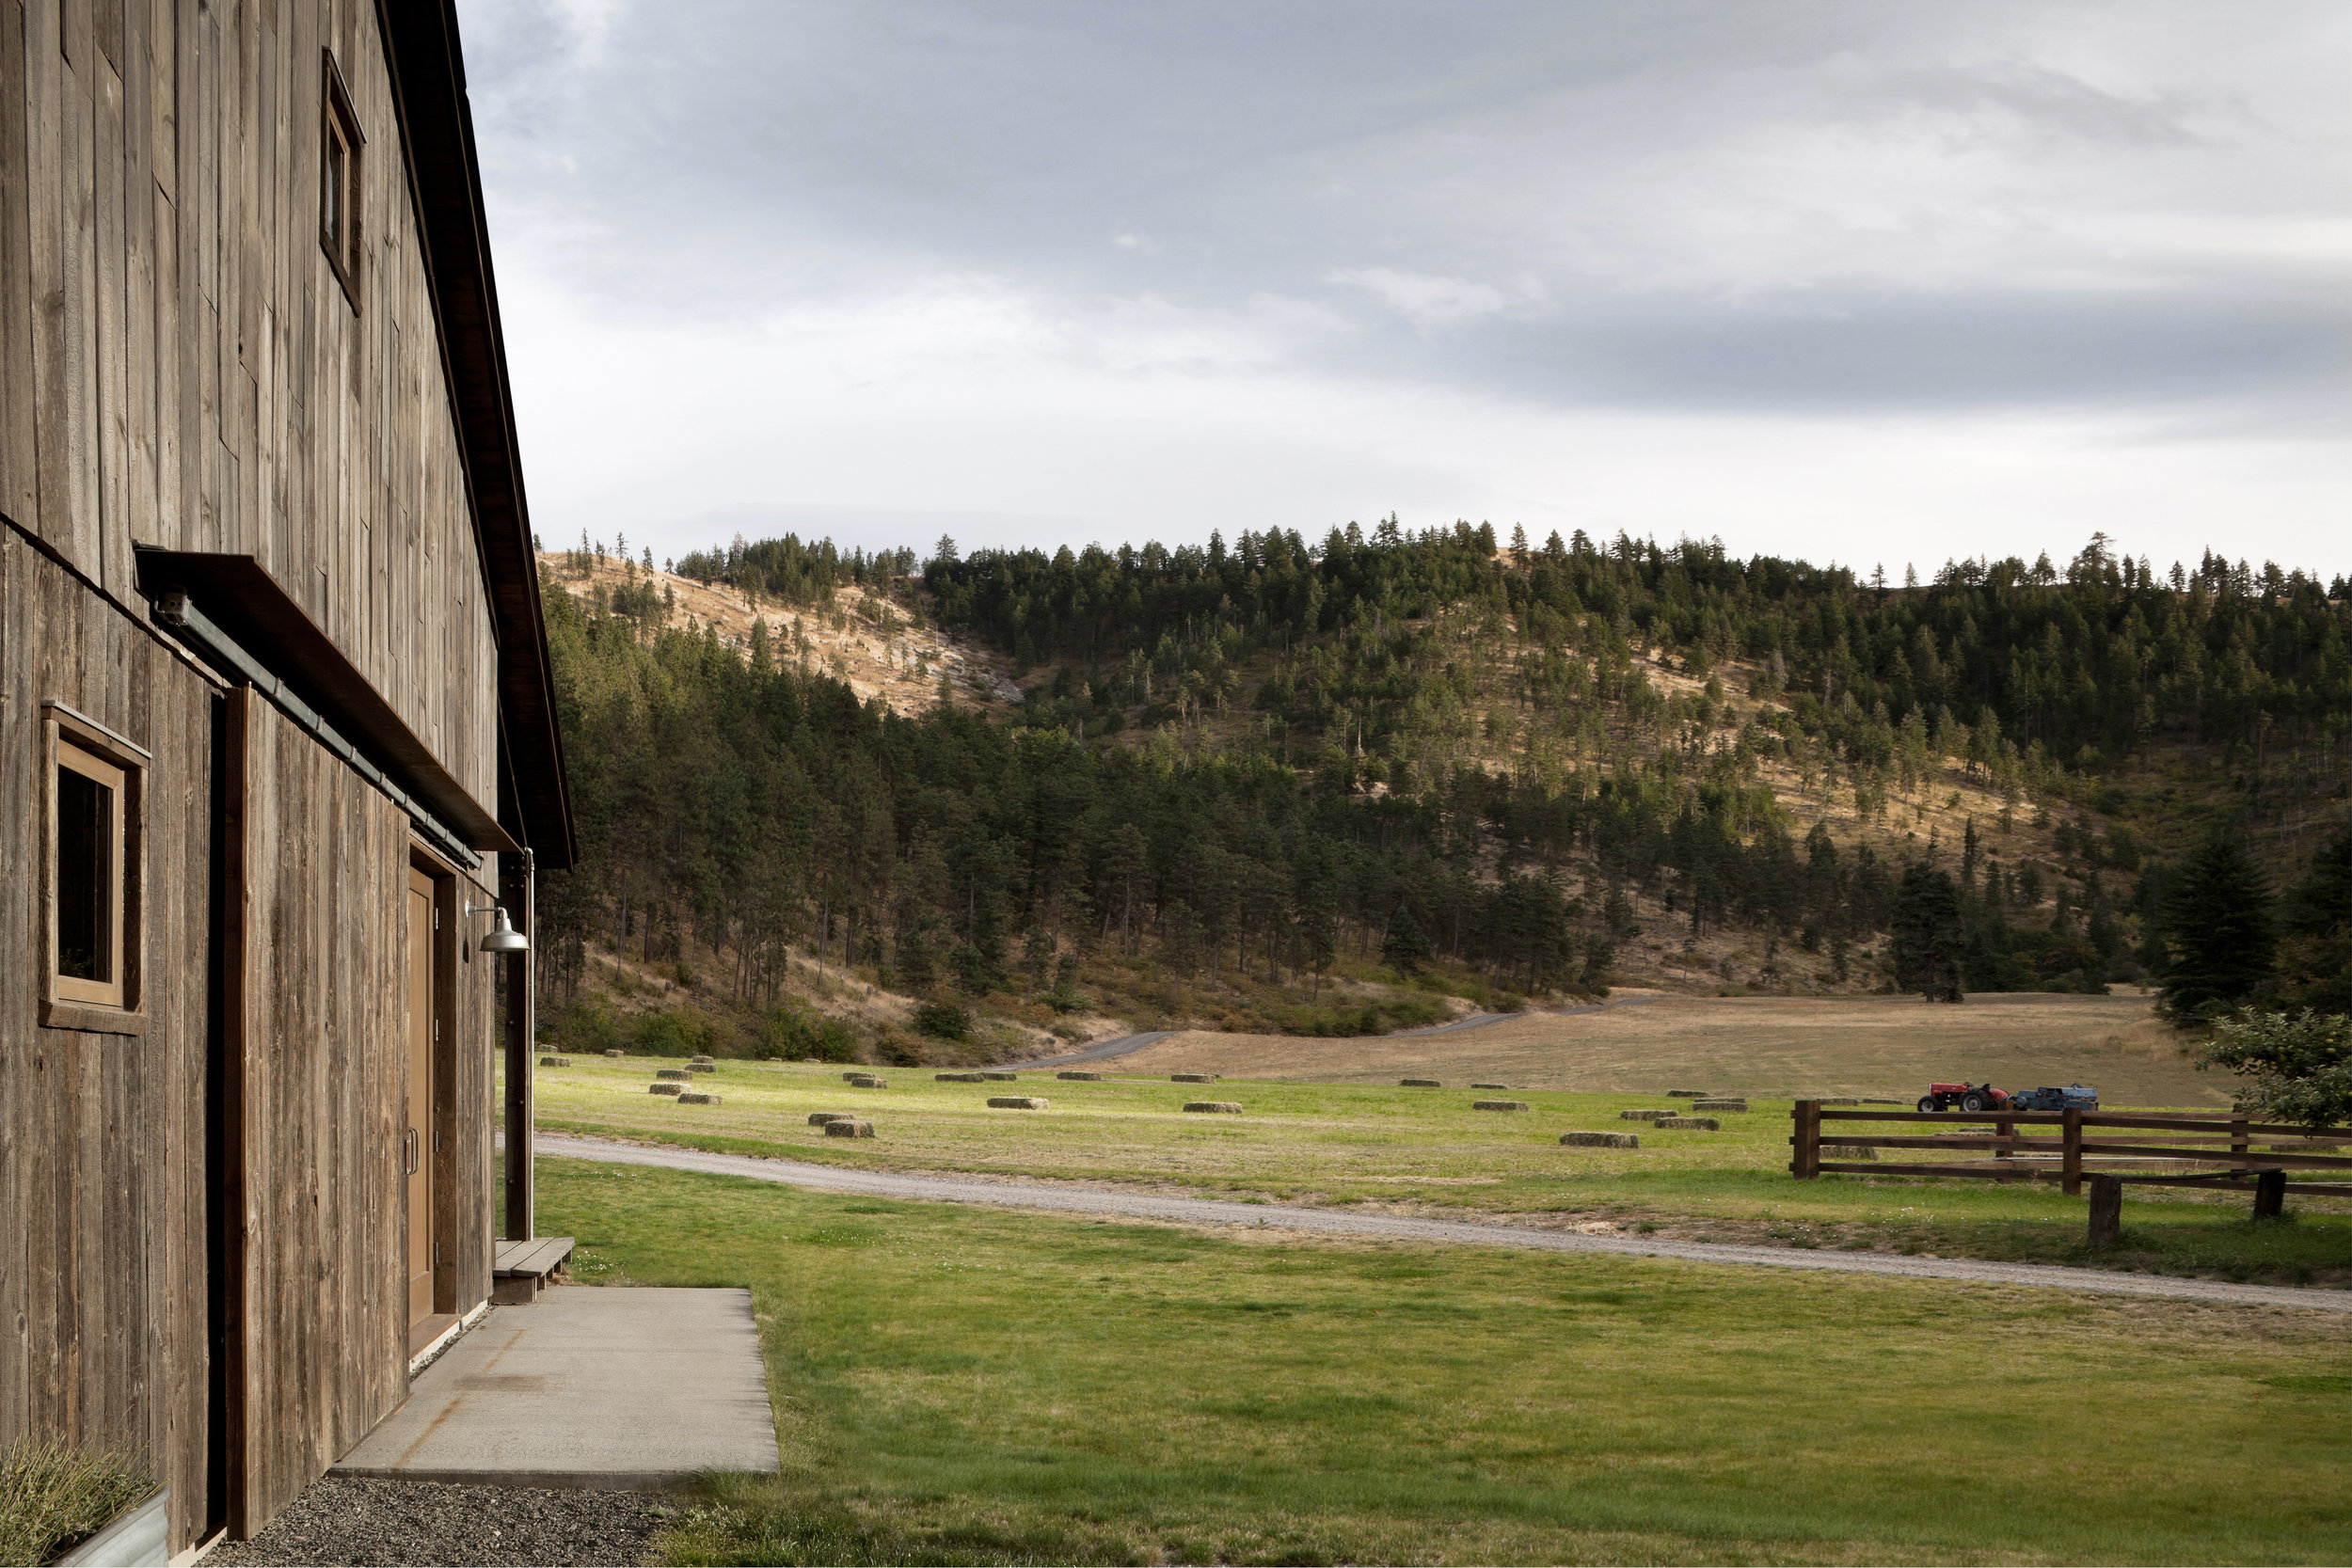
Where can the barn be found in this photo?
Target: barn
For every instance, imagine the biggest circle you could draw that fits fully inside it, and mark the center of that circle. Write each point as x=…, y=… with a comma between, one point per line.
x=278, y=739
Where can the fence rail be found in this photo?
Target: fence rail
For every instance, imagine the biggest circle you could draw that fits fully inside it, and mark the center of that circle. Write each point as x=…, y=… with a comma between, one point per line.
x=2225, y=1143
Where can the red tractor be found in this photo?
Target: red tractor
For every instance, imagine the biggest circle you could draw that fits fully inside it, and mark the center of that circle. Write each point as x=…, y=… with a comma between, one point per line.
x=1963, y=1097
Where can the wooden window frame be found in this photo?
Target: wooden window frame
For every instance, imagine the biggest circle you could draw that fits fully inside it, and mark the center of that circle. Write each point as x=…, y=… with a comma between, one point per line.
x=117, y=1006
x=340, y=146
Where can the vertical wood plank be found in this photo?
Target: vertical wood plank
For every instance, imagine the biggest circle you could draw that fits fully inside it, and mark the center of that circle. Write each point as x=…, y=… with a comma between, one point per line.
x=16, y=996
x=20, y=473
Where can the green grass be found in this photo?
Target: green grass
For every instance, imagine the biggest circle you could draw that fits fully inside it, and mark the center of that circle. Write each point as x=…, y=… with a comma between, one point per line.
x=1426, y=1149
x=955, y=1385
x=53, y=1499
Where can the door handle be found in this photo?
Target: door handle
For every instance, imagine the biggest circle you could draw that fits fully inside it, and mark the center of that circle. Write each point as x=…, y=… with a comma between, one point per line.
x=410, y=1145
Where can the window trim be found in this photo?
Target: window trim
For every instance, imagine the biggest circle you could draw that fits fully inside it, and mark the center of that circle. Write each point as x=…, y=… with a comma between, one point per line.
x=339, y=124
x=114, y=1006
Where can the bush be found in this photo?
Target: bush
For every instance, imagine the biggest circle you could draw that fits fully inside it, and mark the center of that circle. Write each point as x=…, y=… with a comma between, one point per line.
x=53, y=1499
x=797, y=1031
x=943, y=1021
x=681, y=1032
x=2301, y=1063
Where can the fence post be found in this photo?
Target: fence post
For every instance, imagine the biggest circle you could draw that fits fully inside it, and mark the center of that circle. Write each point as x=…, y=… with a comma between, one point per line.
x=2240, y=1143
x=2005, y=1128
x=1806, y=1163
x=2107, y=1210
x=2071, y=1158
x=2270, y=1195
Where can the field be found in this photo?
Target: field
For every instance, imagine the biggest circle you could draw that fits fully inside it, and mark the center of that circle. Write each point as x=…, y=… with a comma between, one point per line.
x=963, y=1385
x=1384, y=1147
x=1776, y=1047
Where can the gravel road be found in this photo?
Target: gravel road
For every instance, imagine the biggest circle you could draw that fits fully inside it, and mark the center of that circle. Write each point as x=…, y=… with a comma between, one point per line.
x=1338, y=1222
x=339, y=1519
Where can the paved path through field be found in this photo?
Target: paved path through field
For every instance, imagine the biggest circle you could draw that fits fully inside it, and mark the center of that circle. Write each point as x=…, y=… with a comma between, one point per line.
x=1202, y=1211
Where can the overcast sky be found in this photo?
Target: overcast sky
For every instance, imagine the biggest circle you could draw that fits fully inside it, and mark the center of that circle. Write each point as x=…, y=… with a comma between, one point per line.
x=1865, y=283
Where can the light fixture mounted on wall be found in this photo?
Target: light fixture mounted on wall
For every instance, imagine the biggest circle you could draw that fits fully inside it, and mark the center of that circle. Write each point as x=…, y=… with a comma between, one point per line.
x=501, y=936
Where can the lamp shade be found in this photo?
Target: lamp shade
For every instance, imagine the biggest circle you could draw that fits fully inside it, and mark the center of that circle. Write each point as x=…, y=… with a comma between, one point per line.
x=502, y=937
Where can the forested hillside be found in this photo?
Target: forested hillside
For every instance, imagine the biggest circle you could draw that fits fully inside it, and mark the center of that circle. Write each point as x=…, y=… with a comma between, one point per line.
x=1321, y=789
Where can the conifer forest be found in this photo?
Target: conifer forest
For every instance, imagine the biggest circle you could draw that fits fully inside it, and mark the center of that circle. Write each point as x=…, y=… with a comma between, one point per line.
x=1321, y=788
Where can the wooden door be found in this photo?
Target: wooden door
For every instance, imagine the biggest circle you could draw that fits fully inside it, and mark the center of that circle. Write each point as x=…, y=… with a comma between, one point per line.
x=416, y=1149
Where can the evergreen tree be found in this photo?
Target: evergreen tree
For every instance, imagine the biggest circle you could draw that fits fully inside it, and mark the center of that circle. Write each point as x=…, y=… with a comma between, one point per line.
x=2221, y=936
x=1929, y=941
x=2315, y=957
x=1405, y=948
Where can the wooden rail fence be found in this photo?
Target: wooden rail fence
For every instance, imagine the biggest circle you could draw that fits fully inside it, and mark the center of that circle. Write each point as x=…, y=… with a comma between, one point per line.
x=2220, y=1151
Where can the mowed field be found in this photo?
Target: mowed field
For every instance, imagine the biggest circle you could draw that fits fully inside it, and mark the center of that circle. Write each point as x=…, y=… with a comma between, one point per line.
x=977, y=1386
x=1776, y=1047
x=1332, y=1140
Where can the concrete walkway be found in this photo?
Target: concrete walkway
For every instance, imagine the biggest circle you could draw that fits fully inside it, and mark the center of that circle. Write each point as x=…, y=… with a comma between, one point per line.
x=1201, y=1211
x=619, y=1389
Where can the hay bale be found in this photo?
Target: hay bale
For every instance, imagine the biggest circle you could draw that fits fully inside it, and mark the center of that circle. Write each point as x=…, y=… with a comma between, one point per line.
x=1867, y=1101
x=665, y=1088
x=1498, y=1104
x=1833, y=1154
x=1602, y=1140
x=1688, y=1124
x=826, y=1118
x=848, y=1129
x=698, y=1097
x=1419, y=1084
x=1688, y=1094
x=867, y=1081
x=1839, y=1100
x=1075, y=1076
x=1645, y=1116
x=1192, y=1077
x=553, y=1061
x=702, y=1067
x=958, y=1078
x=1491, y=1086
x=994, y=1077
x=672, y=1074
x=1723, y=1104
x=1018, y=1102
x=615, y=1055
x=1216, y=1107
x=855, y=1073
x=699, y=1056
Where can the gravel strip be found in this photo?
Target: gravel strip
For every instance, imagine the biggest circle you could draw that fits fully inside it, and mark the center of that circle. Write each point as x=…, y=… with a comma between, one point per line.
x=339, y=1519
x=1201, y=1211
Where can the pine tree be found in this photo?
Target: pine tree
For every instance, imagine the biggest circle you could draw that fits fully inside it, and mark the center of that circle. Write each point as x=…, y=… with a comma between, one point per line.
x=2221, y=937
x=1928, y=941
x=1406, y=948
x=2315, y=957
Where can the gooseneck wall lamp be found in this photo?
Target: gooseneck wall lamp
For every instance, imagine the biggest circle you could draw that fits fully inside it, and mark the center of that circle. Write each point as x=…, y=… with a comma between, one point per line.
x=501, y=936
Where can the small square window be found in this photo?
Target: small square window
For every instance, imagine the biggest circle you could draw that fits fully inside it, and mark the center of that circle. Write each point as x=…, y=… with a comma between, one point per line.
x=339, y=145
x=91, y=883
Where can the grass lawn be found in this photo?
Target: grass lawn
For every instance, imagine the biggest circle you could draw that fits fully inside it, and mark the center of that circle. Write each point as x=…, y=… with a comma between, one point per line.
x=956, y=1385
x=1426, y=1150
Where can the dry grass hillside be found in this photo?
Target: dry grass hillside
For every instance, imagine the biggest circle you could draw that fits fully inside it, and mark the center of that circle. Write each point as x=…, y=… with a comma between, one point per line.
x=860, y=639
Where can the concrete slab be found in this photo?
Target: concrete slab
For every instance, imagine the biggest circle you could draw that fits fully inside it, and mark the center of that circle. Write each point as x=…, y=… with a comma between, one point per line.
x=587, y=1386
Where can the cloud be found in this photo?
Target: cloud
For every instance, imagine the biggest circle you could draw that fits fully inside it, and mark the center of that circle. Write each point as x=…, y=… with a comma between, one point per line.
x=1116, y=268
x=1433, y=304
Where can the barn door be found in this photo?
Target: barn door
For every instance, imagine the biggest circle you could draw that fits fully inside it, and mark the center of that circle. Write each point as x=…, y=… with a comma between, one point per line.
x=416, y=1141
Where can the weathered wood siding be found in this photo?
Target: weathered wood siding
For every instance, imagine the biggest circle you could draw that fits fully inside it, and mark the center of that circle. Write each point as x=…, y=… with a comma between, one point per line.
x=321, y=1025
x=180, y=365
x=102, y=1137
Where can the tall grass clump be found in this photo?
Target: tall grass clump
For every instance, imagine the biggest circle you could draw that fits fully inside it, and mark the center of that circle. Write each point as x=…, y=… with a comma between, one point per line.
x=53, y=1499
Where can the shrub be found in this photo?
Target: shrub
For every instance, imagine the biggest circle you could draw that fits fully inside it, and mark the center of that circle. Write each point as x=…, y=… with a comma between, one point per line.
x=53, y=1499
x=943, y=1021
x=681, y=1032
x=797, y=1031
